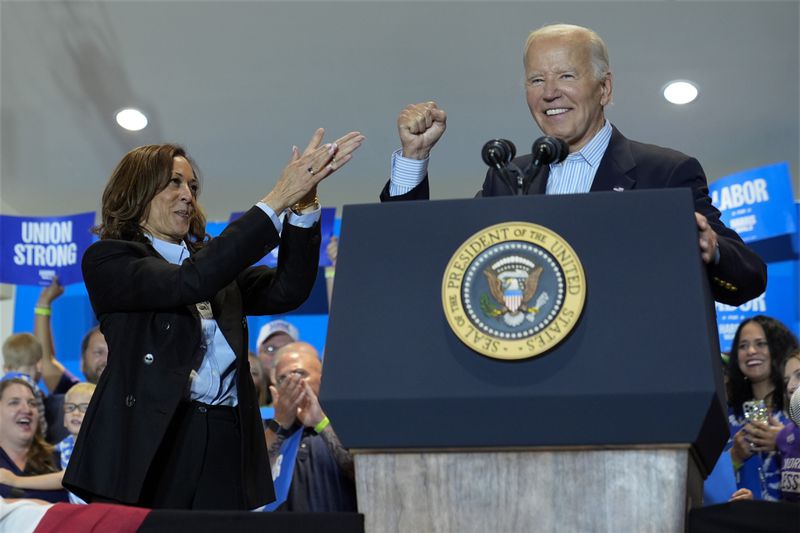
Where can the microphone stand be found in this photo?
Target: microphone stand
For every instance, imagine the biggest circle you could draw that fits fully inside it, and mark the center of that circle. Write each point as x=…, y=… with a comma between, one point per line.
x=511, y=173
x=531, y=173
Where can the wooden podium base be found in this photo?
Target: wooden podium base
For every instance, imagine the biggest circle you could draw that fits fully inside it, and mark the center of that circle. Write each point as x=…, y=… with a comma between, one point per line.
x=569, y=490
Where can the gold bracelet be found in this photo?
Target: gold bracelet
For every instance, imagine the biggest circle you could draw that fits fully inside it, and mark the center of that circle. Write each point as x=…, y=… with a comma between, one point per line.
x=299, y=208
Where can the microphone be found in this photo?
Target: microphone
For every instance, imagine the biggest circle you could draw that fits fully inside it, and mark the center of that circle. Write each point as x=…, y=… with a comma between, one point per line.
x=498, y=153
x=547, y=150
x=794, y=407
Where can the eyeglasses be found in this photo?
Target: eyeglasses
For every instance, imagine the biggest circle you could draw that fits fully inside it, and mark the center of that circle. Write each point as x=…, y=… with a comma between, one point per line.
x=69, y=407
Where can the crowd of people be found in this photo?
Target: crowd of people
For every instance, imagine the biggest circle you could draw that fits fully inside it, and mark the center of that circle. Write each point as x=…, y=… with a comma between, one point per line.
x=170, y=356
x=763, y=369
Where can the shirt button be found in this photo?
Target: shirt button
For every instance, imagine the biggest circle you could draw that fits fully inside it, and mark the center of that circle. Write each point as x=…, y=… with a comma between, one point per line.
x=244, y=323
x=165, y=325
x=130, y=400
x=148, y=359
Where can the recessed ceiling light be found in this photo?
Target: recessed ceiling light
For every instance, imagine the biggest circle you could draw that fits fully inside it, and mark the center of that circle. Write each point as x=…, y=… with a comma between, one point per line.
x=680, y=92
x=131, y=119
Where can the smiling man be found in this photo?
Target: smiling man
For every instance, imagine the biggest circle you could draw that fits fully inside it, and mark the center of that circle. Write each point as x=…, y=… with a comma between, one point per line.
x=568, y=84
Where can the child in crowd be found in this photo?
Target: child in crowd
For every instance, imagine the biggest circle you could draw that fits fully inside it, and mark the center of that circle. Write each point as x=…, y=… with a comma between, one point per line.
x=22, y=358
x=76, y=401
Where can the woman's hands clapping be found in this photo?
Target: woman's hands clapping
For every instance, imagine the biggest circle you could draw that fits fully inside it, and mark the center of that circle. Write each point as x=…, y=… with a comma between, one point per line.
x=298, y=182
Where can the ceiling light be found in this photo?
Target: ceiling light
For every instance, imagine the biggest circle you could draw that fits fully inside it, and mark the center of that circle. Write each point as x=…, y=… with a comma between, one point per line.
x=680, y=92
x=131, y=119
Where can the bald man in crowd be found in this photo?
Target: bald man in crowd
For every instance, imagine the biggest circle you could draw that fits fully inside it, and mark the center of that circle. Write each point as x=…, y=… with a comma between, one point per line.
x=323, y=479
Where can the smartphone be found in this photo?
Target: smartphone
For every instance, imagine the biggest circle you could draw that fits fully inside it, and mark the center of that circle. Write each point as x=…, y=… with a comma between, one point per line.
x=755, y=411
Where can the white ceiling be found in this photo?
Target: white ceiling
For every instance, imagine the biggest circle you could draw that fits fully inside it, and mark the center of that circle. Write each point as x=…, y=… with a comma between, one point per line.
x=238, y=83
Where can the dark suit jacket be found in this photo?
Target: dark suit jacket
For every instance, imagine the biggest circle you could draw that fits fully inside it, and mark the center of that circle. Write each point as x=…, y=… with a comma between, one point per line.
x=740, y=274
x=146, y=306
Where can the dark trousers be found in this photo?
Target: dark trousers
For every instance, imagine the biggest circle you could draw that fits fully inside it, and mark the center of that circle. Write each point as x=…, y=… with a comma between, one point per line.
x=199, y=463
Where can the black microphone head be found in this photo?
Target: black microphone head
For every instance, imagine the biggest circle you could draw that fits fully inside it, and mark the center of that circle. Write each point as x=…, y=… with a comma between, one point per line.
x=498, y=153
x=512, y=150
x=548, y=150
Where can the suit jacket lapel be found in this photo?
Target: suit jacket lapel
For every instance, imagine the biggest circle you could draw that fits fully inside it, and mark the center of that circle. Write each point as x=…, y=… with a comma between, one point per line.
x=617, y=171
x=539, y=183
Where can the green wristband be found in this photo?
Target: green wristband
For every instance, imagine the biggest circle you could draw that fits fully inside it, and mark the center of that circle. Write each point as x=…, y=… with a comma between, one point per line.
x=325, y=422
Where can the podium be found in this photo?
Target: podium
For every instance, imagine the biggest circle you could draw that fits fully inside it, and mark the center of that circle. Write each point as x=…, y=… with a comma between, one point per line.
x=613, y=429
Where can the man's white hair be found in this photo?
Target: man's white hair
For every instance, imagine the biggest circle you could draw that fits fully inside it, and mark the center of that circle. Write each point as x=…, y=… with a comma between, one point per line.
x=598, y=52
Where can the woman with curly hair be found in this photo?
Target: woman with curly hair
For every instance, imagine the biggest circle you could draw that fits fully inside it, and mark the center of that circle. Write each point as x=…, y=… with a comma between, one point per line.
x=755, y=372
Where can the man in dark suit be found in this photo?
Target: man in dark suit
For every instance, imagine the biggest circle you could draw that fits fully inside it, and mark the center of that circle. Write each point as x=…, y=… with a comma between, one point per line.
x=568, y=84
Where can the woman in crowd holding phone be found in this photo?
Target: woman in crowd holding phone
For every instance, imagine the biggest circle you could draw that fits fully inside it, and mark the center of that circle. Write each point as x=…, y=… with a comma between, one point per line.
x=756, y=402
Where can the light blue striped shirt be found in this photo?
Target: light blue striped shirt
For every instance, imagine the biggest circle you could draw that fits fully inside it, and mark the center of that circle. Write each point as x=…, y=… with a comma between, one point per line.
x=214, y=382
x=576, y=173
x=406, y=173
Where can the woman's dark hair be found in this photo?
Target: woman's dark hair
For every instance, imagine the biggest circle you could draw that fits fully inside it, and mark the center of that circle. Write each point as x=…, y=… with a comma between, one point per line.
x=139, y=177
x=40, y=458
x=781, y=342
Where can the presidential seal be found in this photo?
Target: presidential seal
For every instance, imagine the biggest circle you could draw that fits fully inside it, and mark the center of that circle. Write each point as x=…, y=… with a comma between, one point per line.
x=514, y=290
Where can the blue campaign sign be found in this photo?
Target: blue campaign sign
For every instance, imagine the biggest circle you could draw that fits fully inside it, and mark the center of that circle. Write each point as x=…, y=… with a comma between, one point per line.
x=327, y=223
x=758, y=203
x=34, y=249
x=780, y=301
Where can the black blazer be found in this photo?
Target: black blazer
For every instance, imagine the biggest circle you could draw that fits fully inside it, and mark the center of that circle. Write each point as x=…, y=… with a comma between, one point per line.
x=740, y=276
x=146, y=308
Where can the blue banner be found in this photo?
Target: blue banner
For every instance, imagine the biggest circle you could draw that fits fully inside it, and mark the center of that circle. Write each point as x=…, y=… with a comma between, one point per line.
x=34, y=249
x=327, y=223
x=758, y=203
x=780, y=301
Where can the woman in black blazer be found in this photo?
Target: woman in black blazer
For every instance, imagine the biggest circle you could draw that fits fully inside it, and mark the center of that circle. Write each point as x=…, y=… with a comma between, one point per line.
x=174, y=422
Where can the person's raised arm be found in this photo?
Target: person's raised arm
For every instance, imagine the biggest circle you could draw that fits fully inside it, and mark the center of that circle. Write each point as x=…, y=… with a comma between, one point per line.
x=119, y=277
x=297, y=185
x=311, y=415
x=52, y=369
x=420, y=127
